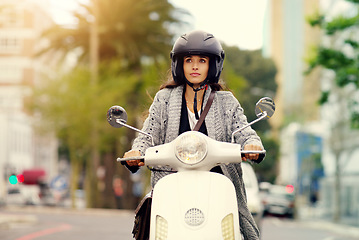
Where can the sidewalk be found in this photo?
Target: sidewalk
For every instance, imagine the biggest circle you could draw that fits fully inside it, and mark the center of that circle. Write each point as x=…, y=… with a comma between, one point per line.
x=314, y=217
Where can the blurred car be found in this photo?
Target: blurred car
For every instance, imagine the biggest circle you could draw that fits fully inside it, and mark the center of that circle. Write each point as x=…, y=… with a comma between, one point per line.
x=14, y=197
x=264, y=187
x=24, y=195
x=263, y=190
x=280, y=200
x=252, y=192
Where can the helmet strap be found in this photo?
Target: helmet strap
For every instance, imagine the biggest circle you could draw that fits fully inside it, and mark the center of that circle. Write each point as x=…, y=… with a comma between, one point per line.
x=202, y=86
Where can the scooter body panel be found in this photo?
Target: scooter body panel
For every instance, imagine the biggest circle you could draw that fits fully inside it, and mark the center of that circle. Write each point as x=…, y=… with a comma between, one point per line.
x=194, y=205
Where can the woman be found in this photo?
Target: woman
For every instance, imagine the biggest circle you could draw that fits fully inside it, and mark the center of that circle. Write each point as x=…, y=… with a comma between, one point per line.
x=197, y=63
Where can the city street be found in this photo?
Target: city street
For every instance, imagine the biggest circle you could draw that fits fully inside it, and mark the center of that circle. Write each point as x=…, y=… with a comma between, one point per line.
x=292, y=64
x=59, y=224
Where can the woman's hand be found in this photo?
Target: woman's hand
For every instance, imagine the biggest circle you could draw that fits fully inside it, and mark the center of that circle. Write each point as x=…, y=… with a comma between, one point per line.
x=251, y=156
x=133, y=153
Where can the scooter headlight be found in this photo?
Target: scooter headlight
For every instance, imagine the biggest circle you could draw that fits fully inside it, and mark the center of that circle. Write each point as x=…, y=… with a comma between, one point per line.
x=191, y=148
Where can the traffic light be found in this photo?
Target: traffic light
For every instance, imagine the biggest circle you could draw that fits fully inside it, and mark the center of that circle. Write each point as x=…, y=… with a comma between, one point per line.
x=14, y=179
x=20, y=178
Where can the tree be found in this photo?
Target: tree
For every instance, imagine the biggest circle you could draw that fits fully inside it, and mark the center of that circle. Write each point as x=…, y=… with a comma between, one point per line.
x=64, y=105
x=127, y=30
x=122, y=33
x=258, y=74
x=251, y=76
x=338, y=56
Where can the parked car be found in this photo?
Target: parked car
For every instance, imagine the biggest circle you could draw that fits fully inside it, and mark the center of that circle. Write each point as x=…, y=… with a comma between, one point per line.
x=263, y=191
x=279, y=200
x=24, y=195
x=252, y=191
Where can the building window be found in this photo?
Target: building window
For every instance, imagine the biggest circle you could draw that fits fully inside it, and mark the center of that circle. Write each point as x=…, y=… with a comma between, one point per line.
x=9, y=44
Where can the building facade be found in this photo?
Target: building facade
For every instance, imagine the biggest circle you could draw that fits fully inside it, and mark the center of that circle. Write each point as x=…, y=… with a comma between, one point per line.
x=287, y=39
x=21, y=147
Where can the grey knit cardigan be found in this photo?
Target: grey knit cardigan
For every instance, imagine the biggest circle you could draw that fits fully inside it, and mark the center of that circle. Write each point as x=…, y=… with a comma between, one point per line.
x=223, y=118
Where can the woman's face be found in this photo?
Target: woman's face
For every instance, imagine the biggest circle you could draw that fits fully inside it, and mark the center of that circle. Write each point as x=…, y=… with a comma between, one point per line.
x=195, y=68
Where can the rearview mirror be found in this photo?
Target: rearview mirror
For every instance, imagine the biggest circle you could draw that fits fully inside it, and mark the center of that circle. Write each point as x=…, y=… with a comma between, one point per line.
x=115, y=114
x=265, y=109
x=267, y=105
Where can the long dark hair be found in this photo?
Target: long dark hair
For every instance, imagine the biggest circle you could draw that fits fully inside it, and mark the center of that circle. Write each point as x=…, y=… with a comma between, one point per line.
x=170, y=83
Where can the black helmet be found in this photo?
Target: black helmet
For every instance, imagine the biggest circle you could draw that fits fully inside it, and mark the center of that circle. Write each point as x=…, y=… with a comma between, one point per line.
x=197, y=43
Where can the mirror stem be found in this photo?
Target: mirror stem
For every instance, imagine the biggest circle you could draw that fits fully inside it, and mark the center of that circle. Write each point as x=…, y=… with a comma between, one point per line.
x=137, y=130
x=263, y=115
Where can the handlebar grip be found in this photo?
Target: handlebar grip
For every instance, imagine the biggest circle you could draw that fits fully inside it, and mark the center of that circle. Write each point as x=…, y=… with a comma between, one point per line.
x=260, y=158
x=141, y=158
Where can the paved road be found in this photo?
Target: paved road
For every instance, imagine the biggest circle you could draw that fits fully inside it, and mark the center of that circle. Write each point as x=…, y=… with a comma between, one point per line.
x=60, y=224
x=65, y=224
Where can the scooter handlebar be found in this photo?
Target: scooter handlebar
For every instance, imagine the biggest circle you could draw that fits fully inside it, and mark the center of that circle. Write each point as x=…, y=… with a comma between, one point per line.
x=142, y=158
x=260, y=158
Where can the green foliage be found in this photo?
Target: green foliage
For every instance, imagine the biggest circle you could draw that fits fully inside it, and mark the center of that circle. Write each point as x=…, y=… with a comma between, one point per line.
x=329, y=58
x=233, y=81
x=134, y=40
x=354, y=114
x=244, y=72
x=354, y=120
x=127, y=30
x=267, y=170
x=345, y=64
x=71, y=105
x=340, y=23
x=346, y=68
x=346, y=76
x=257, y=70
x=250, y=76
x=333, y=59
x=324, y=97
x=352, y=43
x=316, y=19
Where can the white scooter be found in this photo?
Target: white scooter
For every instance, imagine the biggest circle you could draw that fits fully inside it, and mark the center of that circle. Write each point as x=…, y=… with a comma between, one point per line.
x=193, y=203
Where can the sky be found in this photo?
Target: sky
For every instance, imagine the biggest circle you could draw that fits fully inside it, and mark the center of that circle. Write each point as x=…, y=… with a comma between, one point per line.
x=235, y=22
